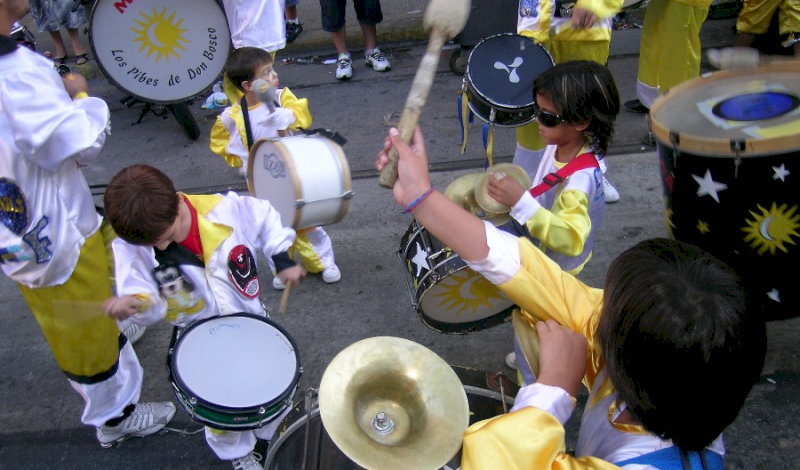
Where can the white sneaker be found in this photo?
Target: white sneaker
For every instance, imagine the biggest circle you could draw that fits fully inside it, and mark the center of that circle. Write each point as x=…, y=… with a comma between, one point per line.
x=344, y=68
x=331, y=274
x=376, y=60
x=133, y=332
x=146, y=419
x=277, y=284
x=611, y=193
x=251, y=461
x=511, y=360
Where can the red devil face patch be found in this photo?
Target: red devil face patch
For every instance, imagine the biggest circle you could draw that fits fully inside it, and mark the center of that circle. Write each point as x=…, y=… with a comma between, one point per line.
x=242, y=271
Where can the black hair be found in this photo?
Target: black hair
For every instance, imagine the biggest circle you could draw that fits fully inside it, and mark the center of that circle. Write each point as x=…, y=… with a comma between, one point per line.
x=682, y=343
x=243, y=64
x=583, y=92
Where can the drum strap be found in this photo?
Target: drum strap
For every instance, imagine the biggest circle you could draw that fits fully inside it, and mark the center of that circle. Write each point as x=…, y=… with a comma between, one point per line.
x=488, y=142
x=585, y=160
x=247, y=129
x=465, y=117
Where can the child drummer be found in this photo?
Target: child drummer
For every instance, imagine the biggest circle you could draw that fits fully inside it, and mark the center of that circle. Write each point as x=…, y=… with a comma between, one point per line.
x=242, y=124
x=186, y=258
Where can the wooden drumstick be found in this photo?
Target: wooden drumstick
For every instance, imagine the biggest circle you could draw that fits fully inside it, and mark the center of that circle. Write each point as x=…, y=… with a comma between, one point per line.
x=285, y=298
x=443, y=19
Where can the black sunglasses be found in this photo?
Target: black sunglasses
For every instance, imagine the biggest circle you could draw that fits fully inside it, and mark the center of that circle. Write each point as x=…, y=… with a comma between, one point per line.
x=545, y=118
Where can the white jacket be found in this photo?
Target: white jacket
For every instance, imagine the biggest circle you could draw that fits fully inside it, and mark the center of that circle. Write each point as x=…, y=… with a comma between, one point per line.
x=231, y=228
x=45, y=204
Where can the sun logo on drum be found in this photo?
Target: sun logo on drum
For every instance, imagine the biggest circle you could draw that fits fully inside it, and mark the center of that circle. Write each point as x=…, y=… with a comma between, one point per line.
x=772, y=228
x=468, y=291
x=160, y=34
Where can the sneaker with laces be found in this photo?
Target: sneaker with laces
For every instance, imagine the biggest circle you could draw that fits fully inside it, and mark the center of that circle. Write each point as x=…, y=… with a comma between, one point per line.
x=511, y=360
x=331, y=274
x=377, y=61
x=133, y=332
x=636, y=106
x=145, y=419
x=344, y=67
x=292, y=31
x=251, y=461
x=611, y=193
x=277, y=284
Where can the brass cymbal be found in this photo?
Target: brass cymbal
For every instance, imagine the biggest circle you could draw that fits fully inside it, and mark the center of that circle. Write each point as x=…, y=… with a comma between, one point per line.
x=488, y=203
x=391, y=404
x=462, y=192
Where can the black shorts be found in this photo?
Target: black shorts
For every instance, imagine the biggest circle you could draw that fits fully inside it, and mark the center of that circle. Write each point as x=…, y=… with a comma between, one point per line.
x=333, y=13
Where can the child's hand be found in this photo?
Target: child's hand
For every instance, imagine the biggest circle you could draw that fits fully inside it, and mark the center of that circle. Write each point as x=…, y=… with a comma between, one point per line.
x=582, y=18
x=74, y=84
x=293, y=275
x=562, y=356
x=122, y=307
x=282, y=118
x=504, y=190
x=412, y=168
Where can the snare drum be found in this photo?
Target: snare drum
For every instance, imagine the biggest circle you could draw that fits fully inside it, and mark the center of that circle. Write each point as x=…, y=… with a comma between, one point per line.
x=306, y=178
x=727, y=144
x=160, y=52
x=304, y=444
x=234, y=372
x=448, y=296
x=499, y=79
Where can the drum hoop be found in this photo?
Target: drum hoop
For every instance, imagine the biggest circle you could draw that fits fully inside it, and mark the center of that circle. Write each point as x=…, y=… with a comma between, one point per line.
x=291, y=170
x=122, y=88
x=496, y=123
x=344, y=167
x=720, y=147
x=478, y=92
x=179, y=383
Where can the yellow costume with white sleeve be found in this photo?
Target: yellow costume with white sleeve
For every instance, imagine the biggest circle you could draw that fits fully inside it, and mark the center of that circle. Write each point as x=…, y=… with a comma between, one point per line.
x=532, y=435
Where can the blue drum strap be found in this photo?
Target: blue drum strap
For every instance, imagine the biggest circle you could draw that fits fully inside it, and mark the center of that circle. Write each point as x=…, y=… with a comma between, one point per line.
x=672, y=458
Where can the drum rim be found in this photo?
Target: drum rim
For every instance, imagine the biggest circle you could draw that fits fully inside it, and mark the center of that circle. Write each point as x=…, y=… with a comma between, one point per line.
x=497, y=123
x=478, y=92
x=181, y=386
x=717, y=146
x=139, y=97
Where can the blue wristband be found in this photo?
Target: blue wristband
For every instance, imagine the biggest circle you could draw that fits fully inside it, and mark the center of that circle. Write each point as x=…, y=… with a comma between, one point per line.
x=418, y=200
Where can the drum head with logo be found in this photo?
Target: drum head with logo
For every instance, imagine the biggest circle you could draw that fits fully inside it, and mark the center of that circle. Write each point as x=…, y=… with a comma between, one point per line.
x=160, y=52
x=728, y=145
x=501, y=69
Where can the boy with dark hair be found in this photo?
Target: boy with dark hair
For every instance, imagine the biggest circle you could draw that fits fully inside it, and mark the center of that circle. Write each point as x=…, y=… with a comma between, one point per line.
x=202, y=241
x=242, y=124
x=669, y=349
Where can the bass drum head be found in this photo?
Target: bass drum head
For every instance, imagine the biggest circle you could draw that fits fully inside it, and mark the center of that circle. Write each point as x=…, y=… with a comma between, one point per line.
x=236, y=361
x=160, y=52
x=289, y=450
x=727, y=146
x=500, y=72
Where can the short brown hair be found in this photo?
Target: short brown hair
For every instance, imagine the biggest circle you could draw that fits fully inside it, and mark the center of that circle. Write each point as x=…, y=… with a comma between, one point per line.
x=243, y=63
x=141, y=204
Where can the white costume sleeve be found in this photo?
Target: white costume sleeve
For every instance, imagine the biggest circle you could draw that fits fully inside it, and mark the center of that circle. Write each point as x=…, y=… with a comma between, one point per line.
x=553, y=400
x=133, y=267
x=263, y=225
x=503, y=260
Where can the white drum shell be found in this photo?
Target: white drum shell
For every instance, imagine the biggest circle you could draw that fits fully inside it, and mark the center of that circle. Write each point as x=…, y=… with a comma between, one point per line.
x=306, y=178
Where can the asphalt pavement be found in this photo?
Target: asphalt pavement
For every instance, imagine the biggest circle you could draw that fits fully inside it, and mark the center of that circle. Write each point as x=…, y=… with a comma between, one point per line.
x=39, y=421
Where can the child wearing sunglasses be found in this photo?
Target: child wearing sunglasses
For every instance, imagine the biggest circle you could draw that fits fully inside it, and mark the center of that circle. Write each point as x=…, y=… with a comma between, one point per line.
x=576, y=104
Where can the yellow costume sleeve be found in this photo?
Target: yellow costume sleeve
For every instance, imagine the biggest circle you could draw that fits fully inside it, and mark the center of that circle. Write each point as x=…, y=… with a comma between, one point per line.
x=527, y=439
x=221, y=137
x=299, y=107
x=566, y=227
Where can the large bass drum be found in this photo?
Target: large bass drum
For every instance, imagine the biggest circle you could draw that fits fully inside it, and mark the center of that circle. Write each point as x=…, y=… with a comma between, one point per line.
x=160, y=52
x=302, y=443
x=728, y=145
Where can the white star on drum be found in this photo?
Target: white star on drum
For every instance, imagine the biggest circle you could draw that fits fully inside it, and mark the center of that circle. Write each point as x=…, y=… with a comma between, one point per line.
x=420, y=259
x=774, y=295
x=708, y=187
x=780, y=172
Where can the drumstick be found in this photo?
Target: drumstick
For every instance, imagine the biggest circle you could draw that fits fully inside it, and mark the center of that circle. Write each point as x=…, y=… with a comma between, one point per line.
x=444, y=19
x=285, y=297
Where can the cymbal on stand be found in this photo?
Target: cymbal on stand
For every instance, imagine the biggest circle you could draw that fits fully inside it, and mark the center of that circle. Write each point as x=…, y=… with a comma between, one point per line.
x=391, y=404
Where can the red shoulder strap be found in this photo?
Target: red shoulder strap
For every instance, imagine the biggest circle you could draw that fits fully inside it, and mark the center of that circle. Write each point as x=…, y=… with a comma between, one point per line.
x=585, y=160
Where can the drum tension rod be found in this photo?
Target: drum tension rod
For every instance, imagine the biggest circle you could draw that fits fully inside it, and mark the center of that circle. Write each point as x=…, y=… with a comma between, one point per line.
x=675, y=140
x=736, y=147
x=302, y=202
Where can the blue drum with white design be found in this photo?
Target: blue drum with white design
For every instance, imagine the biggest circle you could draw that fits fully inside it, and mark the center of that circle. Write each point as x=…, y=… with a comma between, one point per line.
x=499, y=79
x=729, y=148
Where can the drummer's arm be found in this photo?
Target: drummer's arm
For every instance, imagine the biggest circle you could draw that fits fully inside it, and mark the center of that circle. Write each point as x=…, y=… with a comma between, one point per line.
x=599, y=8
x=227, y=144
x=299, y=107
x=565, y=228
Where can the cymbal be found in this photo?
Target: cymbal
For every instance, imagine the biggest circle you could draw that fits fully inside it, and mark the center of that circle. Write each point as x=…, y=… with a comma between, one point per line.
x=487, y=202
x=462, y=192
x=391, y=404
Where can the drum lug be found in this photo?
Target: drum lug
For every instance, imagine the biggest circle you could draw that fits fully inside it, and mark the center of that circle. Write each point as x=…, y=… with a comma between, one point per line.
x=736, y=147
x=348, y=195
